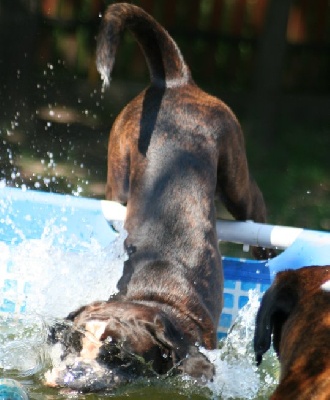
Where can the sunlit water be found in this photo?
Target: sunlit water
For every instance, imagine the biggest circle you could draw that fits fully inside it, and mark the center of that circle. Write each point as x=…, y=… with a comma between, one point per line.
x=61, y=281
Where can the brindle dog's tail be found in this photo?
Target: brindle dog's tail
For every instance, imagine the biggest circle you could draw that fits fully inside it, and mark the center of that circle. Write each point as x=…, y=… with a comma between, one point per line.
x=166, y=64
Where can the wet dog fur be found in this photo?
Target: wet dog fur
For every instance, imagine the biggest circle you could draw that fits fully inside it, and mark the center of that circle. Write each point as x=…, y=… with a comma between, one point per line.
x=171, y=151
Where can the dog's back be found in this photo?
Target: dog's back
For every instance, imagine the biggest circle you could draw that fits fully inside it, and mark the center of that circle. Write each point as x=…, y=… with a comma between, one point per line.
x=170, y=201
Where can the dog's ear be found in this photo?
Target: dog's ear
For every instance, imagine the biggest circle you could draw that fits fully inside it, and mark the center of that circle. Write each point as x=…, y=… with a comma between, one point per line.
x=276, y=306
x=189, y=359
x=169, y=336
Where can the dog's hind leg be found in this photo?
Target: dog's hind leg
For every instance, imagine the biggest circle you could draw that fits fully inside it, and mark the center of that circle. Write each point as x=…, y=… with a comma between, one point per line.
x=237, y=189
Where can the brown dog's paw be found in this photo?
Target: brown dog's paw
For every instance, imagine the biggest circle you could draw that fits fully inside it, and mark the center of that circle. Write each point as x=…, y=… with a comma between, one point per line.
x=198, y=366
x=262, y=253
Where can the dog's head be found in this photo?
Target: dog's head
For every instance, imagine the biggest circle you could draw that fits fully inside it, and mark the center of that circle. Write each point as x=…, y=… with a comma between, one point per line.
x=294, y=296
x=106, y=344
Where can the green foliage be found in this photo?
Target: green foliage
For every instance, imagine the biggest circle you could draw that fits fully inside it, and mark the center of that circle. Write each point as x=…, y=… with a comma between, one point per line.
x=293, y=173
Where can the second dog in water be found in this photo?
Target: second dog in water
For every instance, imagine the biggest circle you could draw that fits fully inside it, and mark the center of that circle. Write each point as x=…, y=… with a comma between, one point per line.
x=171, y=151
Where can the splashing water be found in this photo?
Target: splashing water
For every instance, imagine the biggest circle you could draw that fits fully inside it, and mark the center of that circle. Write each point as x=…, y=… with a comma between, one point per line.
x=22, y=345
x=237, y=375
x=60, y=281
x=44, y=279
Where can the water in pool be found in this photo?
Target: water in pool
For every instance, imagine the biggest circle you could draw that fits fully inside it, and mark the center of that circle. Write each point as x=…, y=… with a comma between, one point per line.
x=60, y=282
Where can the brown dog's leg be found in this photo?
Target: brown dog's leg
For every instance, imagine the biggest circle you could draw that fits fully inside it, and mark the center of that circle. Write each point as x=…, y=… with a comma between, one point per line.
x=236, y=187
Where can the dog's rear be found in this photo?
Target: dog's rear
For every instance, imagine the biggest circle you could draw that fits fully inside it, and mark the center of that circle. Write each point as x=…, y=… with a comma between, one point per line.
x=173, y=129
x=296, y=311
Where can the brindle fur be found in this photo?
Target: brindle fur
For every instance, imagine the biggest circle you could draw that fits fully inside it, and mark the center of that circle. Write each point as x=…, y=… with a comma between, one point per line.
x=171, y=150
x=296, y=310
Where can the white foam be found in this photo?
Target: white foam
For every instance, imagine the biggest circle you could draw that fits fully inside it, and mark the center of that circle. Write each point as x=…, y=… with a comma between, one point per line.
x=22, y=344
x=237, y=375
x=45, y=282
x=53, y=282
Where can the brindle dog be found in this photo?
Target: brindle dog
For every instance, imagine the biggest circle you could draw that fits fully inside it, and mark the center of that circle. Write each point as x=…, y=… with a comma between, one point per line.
x=296, y=311
x=171, y=150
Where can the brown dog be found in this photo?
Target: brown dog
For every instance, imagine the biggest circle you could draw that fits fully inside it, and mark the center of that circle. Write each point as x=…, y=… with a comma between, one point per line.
x=171, y=149
x=296, y=310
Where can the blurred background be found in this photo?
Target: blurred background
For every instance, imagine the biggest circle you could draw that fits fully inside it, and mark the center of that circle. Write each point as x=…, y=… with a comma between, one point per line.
x=269, y=60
